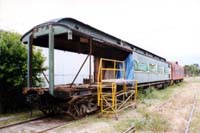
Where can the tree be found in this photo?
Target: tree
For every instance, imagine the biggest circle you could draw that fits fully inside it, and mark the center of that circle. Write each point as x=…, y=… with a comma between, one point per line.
x=192, y=70
x=13, y=70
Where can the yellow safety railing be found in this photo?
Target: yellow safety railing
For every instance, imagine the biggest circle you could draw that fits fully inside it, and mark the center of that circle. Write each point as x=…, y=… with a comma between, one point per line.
x=114, y=68
x=110, y=97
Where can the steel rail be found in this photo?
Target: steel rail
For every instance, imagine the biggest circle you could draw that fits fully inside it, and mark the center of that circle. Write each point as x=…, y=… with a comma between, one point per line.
x=187, y=129
x=45, y=130
x=22, y=122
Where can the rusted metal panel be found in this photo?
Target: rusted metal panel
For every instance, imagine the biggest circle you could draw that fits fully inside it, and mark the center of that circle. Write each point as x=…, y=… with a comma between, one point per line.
x=38, y=90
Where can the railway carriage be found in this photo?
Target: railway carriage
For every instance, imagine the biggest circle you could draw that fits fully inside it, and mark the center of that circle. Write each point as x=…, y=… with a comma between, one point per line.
x=149, y=69
x=177, y=72
x=71, y=35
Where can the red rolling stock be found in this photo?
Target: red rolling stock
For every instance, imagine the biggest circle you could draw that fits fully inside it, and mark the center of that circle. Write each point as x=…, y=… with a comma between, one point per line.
x=177, y=72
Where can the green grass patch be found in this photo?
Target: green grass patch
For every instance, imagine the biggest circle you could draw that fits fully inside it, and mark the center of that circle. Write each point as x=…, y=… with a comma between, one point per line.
x=150, y=121
x=146, y=121
x=158, y=94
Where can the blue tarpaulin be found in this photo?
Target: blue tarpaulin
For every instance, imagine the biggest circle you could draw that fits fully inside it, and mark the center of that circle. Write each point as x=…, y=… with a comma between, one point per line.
x=129, y=69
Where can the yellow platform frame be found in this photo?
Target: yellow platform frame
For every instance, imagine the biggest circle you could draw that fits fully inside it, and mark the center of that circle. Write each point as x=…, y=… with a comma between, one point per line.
x=113, y=101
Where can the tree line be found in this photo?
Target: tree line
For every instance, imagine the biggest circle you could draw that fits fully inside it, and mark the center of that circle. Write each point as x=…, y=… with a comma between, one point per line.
x=13, y=71
x=192, y=70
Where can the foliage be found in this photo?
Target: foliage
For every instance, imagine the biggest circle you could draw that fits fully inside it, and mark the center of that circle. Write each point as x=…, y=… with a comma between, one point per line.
x=13, y=70
x=192, y=70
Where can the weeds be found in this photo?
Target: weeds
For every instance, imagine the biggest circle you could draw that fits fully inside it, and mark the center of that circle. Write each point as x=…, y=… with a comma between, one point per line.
x=151, y=122
x=146, y=121
x=157, y=94
x=123, y=125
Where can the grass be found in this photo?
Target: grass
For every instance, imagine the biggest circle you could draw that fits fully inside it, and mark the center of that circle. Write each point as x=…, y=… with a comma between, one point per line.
x=195, y=124
x=151, y=121
x=146, y=121
x=17, y=117
x=150, y=94
x=123, y=125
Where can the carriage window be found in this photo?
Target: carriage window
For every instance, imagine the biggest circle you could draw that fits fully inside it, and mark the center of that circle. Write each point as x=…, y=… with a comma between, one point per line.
x=152, y=68
x=140, y=66
x=160, y=69
x=166, y=70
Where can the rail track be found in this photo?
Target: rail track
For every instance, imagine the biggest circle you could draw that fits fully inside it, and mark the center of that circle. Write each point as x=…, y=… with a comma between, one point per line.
x=37, y=125
x=191, y=111
x=52, y=128
x=21, y=122
x=187, y=129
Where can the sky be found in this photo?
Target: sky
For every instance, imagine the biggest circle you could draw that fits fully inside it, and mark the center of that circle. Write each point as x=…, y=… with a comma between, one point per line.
x=168, y=28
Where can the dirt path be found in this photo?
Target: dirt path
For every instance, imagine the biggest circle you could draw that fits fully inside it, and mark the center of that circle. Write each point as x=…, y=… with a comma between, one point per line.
x=177, y=110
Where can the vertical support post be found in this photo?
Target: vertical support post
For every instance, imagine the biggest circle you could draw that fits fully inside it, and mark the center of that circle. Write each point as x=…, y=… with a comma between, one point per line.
x=136, y=89
x=51, y=60
x=115, y=70
x=90, y=62
x=96, y=68
x=29, y=67
x=29, y=61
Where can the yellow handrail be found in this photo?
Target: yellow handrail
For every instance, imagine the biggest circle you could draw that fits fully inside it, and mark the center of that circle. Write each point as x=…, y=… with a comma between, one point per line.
x=109, y=101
